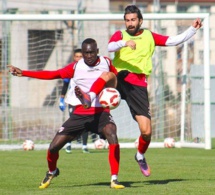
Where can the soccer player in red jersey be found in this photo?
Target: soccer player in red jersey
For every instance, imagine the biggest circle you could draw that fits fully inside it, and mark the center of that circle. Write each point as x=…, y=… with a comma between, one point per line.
x=95, y=119
x=133, y=49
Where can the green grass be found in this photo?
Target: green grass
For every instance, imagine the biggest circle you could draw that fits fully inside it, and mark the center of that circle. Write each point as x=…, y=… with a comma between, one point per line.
x=174, y=172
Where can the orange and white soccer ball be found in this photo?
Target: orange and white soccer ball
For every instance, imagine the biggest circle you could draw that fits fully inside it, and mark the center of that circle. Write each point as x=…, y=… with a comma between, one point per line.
x=109, y=98
x=100, y=144
x=169, y=142
x=28, y=145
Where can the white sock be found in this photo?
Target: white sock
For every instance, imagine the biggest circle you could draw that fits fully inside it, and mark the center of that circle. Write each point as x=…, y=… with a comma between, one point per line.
x=113, y=177
x=53, y=172
x=92, y=95
x=84, y=146
x=68, y=144
x=140, y=156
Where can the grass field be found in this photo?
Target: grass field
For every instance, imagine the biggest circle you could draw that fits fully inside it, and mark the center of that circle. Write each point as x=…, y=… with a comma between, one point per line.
x=174, y=172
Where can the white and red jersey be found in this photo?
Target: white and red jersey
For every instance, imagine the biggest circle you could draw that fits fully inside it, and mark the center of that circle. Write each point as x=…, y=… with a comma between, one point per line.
x=83, y=76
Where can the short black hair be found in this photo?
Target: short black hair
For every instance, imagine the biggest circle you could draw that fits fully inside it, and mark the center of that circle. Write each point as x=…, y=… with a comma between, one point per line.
x=89, y=41
x=132, y=9
x=77, y=51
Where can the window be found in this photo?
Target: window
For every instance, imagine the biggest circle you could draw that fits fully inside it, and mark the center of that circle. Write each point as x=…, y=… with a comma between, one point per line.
x=205, y=8
x=143, y=8
x=121, y=8
x=163, y=8
x=182, y=9
x=40, y=46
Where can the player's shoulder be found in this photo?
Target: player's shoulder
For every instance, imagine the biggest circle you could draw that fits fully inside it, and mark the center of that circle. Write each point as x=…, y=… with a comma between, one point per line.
x=107, y=59
x=119, y=33
x=71, y=64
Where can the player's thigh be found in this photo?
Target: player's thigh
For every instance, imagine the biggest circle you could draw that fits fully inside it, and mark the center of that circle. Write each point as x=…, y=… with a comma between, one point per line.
x=100, y=121
x=74, y=126
x=137, y=100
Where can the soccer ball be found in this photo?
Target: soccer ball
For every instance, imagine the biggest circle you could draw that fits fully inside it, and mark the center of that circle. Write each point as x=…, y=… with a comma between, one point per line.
x=28, y=145
x=109, y=98
x=100, y=144
x=169, y=142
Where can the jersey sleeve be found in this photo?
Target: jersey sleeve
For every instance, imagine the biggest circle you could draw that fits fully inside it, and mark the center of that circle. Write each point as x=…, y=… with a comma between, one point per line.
x=116, y=42
x=66, y=72
x=43, y=74
x=178, y=39
x=161, y=40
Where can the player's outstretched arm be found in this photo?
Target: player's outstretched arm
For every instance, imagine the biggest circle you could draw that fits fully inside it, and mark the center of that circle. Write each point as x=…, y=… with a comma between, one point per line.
x=15, y=71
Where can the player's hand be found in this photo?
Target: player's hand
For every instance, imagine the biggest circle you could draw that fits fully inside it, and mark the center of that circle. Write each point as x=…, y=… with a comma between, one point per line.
x=62, y=104
x=197, y=23
x=131, y=44
x=15, y=71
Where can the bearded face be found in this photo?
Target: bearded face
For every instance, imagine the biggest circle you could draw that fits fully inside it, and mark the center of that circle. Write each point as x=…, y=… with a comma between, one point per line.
x=132, y=30
x=132, y=23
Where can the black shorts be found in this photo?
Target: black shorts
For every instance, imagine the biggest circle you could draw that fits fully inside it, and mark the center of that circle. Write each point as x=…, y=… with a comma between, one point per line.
x=77, y=124
x=135, y=96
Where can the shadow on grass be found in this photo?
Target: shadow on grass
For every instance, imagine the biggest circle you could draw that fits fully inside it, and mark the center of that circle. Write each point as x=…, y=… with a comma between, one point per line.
x=162, y=182
x=132, y=184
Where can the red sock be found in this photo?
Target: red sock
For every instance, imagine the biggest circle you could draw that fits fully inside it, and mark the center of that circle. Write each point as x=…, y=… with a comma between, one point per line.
x=52, y=160
x=97, y=86
x=114, y=157
x=143, y=145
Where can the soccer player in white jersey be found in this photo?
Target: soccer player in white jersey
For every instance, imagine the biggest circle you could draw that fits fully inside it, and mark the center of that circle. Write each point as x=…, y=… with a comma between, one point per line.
x=62, y=105
x=95, y=119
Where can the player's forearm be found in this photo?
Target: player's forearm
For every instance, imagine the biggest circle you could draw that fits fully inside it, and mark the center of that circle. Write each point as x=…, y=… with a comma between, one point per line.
x=178, y=39
x=115, y=46
x=45, y=75
x=64, y=89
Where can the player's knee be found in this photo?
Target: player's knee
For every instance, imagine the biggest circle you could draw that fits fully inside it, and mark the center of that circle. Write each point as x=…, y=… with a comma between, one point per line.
x=146, y=136
x=110, y=79
x=53, y=149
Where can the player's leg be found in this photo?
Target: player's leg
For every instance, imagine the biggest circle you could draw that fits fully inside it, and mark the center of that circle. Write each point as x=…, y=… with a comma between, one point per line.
x=144, y=141
x=69, y=131
x=84, y=142
x=69, y=144
x=68, y=147
x=52, y=156
x=93, y=137
x=137, y=99
x=106, y=79
x=109, y=132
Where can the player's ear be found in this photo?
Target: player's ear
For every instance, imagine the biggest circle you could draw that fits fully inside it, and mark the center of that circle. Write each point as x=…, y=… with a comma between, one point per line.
x=97, y=50
x=141, y=21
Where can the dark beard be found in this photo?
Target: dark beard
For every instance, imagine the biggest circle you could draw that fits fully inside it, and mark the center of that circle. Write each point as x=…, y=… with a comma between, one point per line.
x=133, y=32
